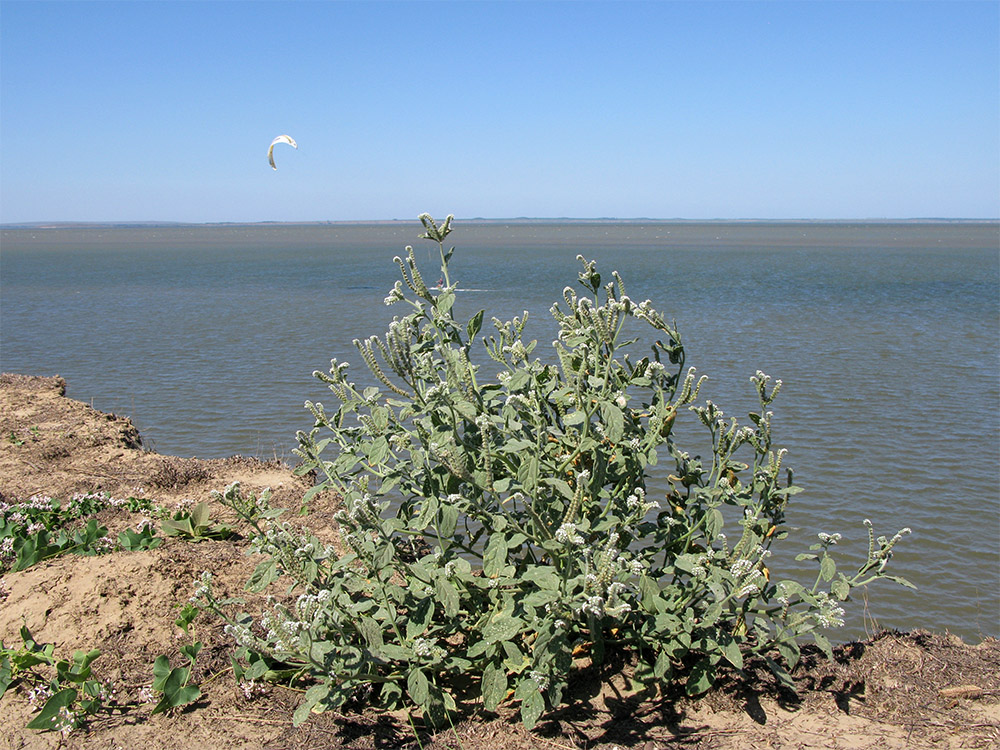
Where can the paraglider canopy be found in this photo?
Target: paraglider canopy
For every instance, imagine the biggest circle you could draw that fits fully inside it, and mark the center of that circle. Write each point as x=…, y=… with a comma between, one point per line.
x=280, y=139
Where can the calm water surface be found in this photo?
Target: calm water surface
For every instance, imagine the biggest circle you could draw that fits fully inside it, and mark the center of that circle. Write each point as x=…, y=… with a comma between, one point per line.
x=885, y=335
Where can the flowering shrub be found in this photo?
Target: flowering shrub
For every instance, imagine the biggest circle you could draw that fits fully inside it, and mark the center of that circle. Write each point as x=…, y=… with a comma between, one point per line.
x=500, y=530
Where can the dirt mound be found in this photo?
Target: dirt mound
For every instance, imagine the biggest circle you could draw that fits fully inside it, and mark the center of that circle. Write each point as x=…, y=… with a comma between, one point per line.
x=896, y=691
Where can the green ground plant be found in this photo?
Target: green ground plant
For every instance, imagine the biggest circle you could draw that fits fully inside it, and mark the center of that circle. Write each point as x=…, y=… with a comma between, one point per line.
x=174, y=683
x=65, y=690
x=195, y=525
x=498, y=529
x=45, y=527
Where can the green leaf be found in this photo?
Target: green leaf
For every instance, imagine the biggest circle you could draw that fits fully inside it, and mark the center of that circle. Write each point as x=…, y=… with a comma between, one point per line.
x=378, y=451
x=256, y=670
x=540, y=598
x=495, y=555
x=662, y=669
x=824, y=644
x=49, y=715
x=395, y=652
x=187, y=615
x=133, y=541
x=841, y=589
x=518, y=380
x=445, y=301
x=701, y=677
x=517, y=445
x=502, y=627
x=199, y=515
x=371, y=631
x=467, y=409
x=263, y=575
x=475, y=324
x=562, y=487
x=419, y=618
x=827, y=568
x=789, y=651
x=494, y=686
x=5, y=673
x=447, y=595
x=428, y=511
x=161, y=671
x=313, y=695
x=731, y=650
x=778, y=671
x=651, y=600
x=177, y=527
x=448, y=520
x=191, y=651
x=32, y=550
x=417, y=687
x=176, y=691
x=711, y=615
x=713, y=522
x=614, y=424
x=532, y=706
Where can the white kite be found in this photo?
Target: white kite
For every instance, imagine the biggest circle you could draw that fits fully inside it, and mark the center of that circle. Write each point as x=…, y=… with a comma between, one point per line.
x=280, y=139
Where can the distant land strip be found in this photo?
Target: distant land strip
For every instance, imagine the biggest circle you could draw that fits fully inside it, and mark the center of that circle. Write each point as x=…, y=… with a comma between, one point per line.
x=475, y=220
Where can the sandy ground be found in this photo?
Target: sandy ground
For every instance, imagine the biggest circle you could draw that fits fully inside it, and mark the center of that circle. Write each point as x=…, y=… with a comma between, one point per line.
x=916, y=690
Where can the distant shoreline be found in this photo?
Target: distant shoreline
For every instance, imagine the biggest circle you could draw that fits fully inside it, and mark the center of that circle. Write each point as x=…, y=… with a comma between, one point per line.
x=41, y=225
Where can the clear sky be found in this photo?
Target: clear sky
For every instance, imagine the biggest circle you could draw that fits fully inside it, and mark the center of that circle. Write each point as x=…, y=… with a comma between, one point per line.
x=164, y=110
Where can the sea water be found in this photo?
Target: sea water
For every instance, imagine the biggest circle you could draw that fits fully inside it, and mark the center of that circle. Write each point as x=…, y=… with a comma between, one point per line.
x=885, y=336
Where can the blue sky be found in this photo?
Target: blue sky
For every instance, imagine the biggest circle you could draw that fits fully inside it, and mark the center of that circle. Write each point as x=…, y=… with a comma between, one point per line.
x=164, y=111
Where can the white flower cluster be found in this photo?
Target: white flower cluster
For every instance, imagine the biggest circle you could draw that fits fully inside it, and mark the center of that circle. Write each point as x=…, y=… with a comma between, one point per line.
x=66, y=721
x=604, y=595
x=240, y=633
x=517, y=352
x=252, y=689
x=747, y=572
x=38, y=696
x=427, y=648
x=396, y=295
x=654, y=370
x=568, y=534
x=145, y=523
x=436, y=391
x=700, y=567
x=831, y=614
x=637, y=502
x=203, y=587
x=18, y=514
x=541, y=679
x=616, y=606
x=783, y=595
x=282, y=631
x=519, y=399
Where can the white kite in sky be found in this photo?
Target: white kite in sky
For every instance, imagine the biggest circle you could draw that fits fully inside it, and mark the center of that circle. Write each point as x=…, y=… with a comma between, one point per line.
x=280, y=139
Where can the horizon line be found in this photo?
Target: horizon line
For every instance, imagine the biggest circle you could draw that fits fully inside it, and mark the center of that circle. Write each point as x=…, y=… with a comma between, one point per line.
x=57, y=224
